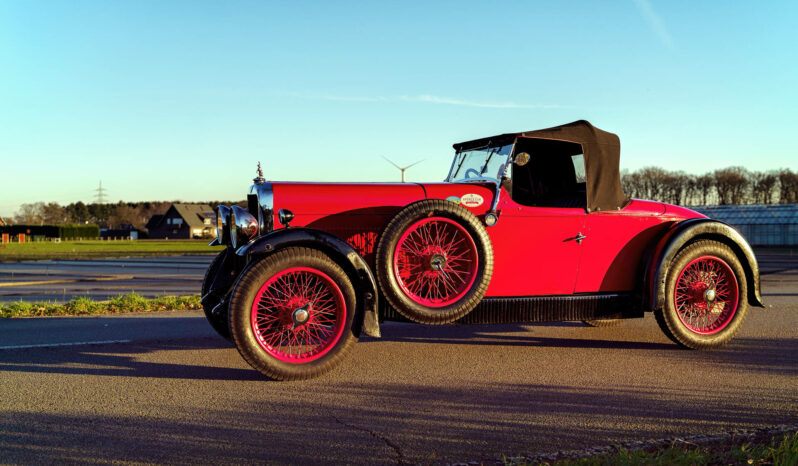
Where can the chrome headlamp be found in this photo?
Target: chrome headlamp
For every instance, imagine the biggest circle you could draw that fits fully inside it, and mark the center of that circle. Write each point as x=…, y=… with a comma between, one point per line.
x=223, y=224
x=244, y=226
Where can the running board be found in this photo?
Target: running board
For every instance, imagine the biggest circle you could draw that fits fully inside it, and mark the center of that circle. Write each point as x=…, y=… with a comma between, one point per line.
x=544, y=309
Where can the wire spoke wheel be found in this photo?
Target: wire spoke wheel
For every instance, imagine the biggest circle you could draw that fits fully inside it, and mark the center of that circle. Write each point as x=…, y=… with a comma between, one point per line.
x=706, y=295
x=435, y=262
x=298, y=315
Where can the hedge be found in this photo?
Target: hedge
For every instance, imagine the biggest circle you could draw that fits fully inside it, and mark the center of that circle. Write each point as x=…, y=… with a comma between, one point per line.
x=68, y=231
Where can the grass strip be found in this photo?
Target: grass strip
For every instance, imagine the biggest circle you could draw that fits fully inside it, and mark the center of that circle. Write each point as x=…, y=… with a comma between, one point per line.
x=778, y=450
x=131, y=302
x=72, y=250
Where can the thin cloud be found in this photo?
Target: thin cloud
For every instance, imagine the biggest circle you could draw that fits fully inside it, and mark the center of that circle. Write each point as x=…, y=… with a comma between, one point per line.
x=423, y=98
x=654, y=22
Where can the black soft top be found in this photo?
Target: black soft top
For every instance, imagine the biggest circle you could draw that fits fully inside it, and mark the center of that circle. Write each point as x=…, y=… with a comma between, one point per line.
x=602, y=152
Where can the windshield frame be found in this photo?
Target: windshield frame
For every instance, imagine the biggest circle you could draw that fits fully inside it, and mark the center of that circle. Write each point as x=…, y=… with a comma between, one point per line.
x=491, y=151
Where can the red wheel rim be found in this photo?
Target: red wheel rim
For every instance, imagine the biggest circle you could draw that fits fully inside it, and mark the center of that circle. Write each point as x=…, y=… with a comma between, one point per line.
x=274, y=315
x=435, y=240
x=695, y=285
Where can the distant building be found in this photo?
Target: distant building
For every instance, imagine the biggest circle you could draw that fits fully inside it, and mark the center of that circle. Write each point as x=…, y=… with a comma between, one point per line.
x=760, y=224
x=183, y=221
x=126, y=231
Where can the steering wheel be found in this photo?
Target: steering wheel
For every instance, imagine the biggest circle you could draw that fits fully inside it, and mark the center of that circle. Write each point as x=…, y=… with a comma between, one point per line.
x=470, y=171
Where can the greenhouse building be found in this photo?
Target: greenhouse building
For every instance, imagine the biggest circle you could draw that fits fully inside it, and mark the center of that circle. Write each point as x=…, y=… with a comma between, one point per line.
x=760, y=224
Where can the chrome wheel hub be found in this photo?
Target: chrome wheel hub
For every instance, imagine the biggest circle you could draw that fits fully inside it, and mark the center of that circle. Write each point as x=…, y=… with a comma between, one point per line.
x=437, y=262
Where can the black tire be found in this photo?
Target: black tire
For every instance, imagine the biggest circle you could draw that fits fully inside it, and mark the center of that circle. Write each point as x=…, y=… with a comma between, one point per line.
x=279, y=363
x=602, y=322
x=716, y=331
x=219, y=320
x=465, y=296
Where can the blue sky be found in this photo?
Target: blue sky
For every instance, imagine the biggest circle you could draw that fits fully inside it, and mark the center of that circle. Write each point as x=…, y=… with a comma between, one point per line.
x=179, y=100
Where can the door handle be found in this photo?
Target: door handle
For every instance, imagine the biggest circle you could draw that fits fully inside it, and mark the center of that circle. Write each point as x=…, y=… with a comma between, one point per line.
x=579, y=237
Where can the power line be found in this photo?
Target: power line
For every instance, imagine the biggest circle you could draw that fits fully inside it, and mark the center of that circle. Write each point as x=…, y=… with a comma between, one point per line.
x=100, y=196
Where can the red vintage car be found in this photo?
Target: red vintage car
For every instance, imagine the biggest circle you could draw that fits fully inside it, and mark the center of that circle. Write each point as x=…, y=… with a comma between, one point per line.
x=526, y=227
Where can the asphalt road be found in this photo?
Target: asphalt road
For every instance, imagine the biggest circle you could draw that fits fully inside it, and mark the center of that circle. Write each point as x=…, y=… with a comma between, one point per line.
x=164, y=388
x=100, y=279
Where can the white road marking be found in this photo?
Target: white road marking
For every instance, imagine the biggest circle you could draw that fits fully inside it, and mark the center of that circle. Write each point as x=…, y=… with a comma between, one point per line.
x=55, y=345
x=71, y=280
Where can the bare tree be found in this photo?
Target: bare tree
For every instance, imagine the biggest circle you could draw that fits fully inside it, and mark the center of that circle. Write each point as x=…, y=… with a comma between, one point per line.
x=631, y=184
x=763, y=186
x=652, y=181
x=53, y=214
x=731, y=185
x=30, y=214
x=788, y=186
x=675, y=187
x=705, y=186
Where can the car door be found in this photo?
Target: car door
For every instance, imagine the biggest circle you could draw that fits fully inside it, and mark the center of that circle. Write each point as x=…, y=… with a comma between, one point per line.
x=535, y=249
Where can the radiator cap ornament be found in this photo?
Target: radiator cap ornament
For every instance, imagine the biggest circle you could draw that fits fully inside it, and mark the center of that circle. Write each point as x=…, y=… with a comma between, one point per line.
x=259, y=179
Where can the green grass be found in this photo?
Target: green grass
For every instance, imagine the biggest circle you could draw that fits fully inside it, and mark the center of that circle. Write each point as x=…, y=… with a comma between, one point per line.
x=95, y=249
x=85, y=306
x=781, y=450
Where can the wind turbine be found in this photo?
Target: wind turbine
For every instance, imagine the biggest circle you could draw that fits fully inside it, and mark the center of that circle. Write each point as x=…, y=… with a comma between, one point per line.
x=402, y=169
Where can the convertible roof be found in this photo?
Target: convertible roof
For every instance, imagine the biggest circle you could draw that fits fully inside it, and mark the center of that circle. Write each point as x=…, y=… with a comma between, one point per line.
x=602, y=151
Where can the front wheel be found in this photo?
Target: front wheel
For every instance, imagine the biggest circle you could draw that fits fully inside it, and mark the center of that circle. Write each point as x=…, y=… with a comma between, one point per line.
x=291, y=314
x=705, y=301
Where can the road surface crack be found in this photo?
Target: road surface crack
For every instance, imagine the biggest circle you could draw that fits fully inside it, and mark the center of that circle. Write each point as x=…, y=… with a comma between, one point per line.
x=400, y=459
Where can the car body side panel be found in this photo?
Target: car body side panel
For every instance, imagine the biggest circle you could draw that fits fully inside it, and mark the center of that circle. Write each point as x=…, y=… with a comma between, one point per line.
x=354, y=212
x=535, y=250
x=613, y=252
x=478, y=195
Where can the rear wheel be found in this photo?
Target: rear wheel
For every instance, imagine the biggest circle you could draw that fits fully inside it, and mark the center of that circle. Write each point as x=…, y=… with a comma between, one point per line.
x=291, y=314
x=705, y=300
x=434, y=261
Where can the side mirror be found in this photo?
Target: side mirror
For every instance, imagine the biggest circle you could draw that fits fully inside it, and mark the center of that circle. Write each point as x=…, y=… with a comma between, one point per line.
x=521, y=159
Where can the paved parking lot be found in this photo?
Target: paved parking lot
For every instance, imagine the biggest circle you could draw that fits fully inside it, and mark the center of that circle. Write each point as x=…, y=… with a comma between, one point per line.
x=163, y=387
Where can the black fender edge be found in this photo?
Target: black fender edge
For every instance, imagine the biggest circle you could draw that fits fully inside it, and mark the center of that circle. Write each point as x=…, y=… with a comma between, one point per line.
x=355, y=266
x=691, y=230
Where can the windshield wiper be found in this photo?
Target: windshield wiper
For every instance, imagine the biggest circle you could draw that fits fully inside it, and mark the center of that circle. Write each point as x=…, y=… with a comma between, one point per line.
x=495, y=149
x=461, y=163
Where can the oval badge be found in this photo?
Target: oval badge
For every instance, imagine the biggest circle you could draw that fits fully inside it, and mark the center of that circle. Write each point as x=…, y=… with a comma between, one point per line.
x=454, y=199
x=471, y=200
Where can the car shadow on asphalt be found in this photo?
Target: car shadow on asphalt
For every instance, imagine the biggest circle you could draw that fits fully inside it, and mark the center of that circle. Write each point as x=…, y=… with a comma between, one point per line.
x=125, y=359
x=499, y=335
x=759, y=355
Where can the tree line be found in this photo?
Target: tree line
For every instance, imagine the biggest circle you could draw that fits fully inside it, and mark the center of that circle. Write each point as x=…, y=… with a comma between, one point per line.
x=733, y=185
x=105, y=215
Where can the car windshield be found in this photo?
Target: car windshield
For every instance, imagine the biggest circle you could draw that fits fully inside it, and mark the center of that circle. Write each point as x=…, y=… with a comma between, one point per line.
x=486, y=162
